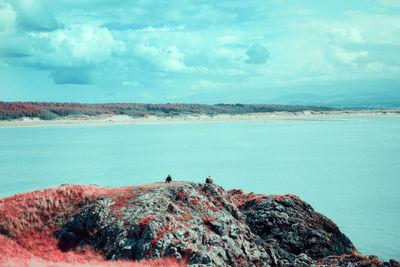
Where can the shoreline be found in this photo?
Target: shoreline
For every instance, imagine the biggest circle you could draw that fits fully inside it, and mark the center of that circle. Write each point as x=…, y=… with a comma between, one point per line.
x=104, y=120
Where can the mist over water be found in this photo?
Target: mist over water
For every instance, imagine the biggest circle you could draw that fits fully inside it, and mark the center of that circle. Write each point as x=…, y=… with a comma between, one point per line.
x=346, y=169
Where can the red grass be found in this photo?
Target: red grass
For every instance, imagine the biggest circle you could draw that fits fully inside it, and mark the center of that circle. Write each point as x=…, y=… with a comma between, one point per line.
x=41, y=212
x=30, y=220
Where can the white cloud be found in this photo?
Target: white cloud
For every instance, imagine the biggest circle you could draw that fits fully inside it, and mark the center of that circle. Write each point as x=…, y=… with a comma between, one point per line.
x=75, y=46
x=375, y=67
x=391, y=3
x=166, y=59
x=345, y=34
x=32, y=15
x=347, y=57
x=334, y=50
x=7, y=19
x=209, y=84
x=72, y=54
x=197, y=45
x=229, y=39
x=79, y=45
x=132, y=83
x=162, y=29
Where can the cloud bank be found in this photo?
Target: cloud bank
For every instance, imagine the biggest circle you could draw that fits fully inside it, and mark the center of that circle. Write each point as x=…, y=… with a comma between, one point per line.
x=175, y=51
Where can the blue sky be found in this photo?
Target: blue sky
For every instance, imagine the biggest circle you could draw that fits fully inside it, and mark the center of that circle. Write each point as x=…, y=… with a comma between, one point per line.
x=197, y=51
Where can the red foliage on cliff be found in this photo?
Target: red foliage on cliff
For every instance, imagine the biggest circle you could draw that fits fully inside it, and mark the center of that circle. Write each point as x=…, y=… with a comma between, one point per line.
x=196, y=222
x=29, y=221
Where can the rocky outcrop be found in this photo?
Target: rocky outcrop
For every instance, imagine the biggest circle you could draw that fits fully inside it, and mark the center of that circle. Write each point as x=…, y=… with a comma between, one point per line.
x=197, y=222
x=204, y=225
x=294, y=227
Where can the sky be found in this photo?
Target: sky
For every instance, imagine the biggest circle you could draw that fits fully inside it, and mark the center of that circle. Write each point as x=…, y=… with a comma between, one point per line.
x=209, y=51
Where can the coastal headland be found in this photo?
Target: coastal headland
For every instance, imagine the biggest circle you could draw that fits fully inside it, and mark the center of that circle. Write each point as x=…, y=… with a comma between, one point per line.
x=174, y=224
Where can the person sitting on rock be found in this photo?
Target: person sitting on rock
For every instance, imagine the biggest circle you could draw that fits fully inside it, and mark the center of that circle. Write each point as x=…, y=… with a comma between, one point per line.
x=209, y=180
x=168, y=179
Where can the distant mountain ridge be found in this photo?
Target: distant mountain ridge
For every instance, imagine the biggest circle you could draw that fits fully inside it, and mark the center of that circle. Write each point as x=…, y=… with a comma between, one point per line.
x=383, y=100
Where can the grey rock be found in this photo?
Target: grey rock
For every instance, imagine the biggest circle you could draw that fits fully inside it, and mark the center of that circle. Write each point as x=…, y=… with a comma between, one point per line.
x=208, y=226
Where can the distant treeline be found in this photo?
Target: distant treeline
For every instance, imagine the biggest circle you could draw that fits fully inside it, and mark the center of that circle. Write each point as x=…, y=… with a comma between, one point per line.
x=48, y=111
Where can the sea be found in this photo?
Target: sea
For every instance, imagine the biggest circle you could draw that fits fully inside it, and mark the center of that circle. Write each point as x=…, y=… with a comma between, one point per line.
x=347, y=169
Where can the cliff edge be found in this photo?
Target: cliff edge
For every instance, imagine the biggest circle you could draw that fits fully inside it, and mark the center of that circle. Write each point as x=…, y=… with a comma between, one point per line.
x=183, y=223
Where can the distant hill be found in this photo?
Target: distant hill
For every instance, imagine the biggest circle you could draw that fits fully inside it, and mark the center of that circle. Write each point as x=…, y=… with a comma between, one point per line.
x=48, y=111
x=383, y=100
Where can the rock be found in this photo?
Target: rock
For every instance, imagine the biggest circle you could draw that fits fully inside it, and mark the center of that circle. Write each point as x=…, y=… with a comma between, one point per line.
x=295, y=226
x=192, y=221
x=204, y=225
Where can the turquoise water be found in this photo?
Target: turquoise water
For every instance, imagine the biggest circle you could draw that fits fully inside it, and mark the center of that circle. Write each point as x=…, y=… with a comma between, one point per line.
x=349, y=169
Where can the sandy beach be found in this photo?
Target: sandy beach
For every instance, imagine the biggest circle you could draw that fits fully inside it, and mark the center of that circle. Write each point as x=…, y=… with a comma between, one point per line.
x=183, y=119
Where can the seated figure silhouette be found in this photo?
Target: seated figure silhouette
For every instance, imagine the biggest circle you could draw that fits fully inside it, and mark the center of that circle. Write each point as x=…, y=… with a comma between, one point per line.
x=209, y=180
x=168, y=179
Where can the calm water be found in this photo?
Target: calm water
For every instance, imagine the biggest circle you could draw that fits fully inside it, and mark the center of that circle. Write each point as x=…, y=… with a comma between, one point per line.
x=348, y=169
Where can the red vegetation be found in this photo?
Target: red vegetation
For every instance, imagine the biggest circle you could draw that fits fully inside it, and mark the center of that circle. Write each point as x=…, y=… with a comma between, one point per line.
x=41, y=212
x=155, y=240
x=16, y=110
x=44, y=110
x=326, y=263
x=181, y=195
x=143, y=223
x=239, y=198
x=208, y=220
x=30, y=220
x=28, y=223
x=217, y=202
